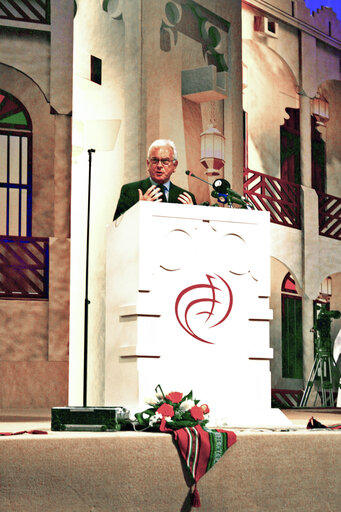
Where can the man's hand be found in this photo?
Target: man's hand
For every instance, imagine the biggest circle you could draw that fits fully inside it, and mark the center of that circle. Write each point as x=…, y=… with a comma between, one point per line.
x=185, y=198
x=152, y=194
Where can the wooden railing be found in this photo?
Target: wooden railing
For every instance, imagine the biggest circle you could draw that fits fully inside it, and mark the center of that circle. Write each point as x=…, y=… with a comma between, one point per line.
x=329, y=216
x=31, y=11
x=24, y=267
x=279, y=197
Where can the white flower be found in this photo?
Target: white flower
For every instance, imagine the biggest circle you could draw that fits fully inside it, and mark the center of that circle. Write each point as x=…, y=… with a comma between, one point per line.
x=159, y=395
x=168, y=419
x=151, y=400
x=186, y=405
x=154, y=419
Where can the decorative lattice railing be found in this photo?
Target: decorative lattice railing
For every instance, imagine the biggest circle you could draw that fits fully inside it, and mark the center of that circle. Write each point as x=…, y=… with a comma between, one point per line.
x=330, y=216
x=279, y=197
x=31, y=11
x=24, y=267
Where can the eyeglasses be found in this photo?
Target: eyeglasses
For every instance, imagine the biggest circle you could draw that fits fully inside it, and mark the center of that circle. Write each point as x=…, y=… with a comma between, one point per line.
x=164, y=161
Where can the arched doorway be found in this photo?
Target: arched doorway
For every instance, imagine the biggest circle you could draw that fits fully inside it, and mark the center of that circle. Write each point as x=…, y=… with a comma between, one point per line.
x=292, y=339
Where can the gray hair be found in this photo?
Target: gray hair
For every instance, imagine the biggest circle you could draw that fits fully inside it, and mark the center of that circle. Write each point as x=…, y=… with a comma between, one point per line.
x=163, y=142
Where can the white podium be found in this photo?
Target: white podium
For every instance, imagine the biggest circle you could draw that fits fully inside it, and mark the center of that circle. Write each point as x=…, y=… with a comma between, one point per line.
x=188, y=308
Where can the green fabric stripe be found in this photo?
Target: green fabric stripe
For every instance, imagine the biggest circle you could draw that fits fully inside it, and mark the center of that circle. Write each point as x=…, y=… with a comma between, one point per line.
x=219, y=446
x=212, y=451
x=196, y=451
x=189, y=446
x=218, y=441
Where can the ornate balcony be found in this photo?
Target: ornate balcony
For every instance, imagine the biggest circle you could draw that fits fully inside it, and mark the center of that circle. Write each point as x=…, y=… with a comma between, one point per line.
x=31, y=11
x=279, y=197
x=329, y=216
x=24, y=267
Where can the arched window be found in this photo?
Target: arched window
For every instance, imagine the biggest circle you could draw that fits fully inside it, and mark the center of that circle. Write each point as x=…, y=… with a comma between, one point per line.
x=292, y=340
x=15, y=167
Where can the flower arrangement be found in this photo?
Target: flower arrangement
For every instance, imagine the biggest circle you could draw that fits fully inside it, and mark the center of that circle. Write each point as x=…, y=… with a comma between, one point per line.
x=174, y=410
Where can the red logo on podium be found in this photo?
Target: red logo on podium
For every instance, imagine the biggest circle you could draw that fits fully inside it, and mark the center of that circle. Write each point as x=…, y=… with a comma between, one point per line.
x=191, y=307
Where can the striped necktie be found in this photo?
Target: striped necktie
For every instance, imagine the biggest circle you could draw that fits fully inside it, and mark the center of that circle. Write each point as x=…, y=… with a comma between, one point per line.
x=163, y=190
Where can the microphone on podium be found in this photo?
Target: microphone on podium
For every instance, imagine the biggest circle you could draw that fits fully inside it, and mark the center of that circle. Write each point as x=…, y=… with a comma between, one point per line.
x=224, y=193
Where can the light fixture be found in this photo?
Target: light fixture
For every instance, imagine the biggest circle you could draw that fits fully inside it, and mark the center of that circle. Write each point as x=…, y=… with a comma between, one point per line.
x=212, y=151
x=320, y=109
x=326, y=287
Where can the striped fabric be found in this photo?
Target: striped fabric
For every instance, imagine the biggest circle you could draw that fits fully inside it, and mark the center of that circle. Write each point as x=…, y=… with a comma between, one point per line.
x=200, y=448
x=313, y=423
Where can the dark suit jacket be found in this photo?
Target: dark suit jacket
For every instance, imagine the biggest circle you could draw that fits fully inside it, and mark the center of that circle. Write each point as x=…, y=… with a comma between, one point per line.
x=129, y=195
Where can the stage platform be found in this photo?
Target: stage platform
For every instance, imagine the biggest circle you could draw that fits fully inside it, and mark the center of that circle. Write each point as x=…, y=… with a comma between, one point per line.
x=267, y=470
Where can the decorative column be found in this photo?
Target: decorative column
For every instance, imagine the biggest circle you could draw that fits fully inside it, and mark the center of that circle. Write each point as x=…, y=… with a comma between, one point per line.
x=62, y=176
x=305, y=136
x=308, y=81
x=310, y=264
x=308, y=337
x=233, y=108
x=134, y=112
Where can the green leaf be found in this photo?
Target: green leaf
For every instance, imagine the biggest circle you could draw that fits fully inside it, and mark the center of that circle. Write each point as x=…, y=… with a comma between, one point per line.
x=188, y=397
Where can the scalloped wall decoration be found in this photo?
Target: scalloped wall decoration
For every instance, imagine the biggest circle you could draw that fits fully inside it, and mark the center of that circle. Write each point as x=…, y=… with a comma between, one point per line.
x=114, y=8
x=200, y=24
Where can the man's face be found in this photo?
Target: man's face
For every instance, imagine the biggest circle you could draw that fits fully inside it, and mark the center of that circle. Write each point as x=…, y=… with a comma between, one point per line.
x=159, y=171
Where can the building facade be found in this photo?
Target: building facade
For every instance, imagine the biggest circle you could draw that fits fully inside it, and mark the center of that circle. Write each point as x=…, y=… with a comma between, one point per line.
x=35, y=155
x=265, y=74
x=291, y=94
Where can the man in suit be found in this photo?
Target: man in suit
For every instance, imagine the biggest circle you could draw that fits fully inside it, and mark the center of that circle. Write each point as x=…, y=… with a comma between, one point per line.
x=162, y=162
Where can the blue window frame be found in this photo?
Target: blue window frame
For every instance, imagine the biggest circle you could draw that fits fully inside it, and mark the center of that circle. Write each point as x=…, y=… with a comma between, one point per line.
x=15, y=167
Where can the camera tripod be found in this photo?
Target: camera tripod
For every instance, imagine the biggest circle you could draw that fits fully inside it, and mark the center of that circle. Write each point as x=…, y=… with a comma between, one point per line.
x=324, y=372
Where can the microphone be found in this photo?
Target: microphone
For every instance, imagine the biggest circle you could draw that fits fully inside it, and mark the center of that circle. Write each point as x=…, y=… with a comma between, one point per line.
x=190, y=173
x=224, y=198
x=223, y=192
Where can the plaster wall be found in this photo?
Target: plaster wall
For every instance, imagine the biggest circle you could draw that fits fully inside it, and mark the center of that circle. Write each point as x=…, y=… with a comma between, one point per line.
x=310, y=62
x=286, y=44
x=233, y=105
x=271, y=88
x=95, y=33
x=33, y=384
x=327, y=63
x=12, y=41
x=329, y=257
x=35, y=69
x=286, y=247
x=283, y=5
x=332, y=90
x=23, y=330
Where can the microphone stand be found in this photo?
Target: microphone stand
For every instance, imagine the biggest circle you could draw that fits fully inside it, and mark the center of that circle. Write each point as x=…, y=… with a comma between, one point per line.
x=86, y=301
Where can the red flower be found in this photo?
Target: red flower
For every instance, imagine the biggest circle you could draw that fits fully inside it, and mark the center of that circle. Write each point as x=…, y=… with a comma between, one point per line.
x=174, y=397
x=205, y=408
x=197, y=413
x=166, y=410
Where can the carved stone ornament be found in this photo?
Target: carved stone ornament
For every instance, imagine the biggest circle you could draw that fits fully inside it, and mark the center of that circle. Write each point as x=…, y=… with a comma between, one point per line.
x=200, y=24
x=114, y=8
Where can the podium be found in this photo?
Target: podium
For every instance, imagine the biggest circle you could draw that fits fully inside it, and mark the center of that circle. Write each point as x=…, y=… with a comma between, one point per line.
x=187, y=307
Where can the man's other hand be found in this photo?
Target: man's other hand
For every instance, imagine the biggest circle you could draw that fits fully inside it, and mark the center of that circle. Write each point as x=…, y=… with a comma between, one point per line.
x=185, y=198
x=152, y=194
